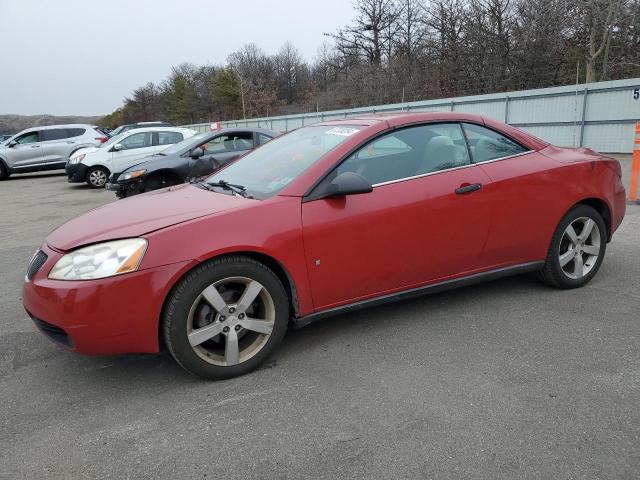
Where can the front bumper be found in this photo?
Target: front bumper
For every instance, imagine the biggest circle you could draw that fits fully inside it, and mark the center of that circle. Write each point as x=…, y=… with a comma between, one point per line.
x=124, y=189
x=100, y=317
x=76, y=172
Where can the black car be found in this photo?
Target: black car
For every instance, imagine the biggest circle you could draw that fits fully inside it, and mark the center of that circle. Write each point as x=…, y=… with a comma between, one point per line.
x=192, y=158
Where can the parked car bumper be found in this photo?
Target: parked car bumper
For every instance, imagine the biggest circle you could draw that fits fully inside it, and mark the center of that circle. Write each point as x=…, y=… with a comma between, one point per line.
x=124, y=189
x=100, y=317
x=76, y=172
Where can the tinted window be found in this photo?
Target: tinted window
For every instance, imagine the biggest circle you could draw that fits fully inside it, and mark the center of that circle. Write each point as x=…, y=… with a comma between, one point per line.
x=54, y=134
x=169, y=138
x=232, y=142
x=137, y=140
x=270, y=168
x=486, y=144
x=76, y=132
x=409, y=152
x=31, y=137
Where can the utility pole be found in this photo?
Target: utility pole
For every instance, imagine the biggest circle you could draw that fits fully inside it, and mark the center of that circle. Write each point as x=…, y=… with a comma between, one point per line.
x=244, y=114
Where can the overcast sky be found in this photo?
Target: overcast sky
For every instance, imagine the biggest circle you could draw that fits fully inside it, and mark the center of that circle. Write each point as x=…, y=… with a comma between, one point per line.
x=82, y=57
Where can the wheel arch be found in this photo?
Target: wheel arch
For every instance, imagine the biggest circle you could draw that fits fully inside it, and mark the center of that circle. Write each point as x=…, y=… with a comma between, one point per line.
x=97, y=165
x=602, y=207
x=272, y=263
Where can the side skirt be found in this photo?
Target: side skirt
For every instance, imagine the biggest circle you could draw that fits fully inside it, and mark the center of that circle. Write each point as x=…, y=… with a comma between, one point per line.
x=300, y=322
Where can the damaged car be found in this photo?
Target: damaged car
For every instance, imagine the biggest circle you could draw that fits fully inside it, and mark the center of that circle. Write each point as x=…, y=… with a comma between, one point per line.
x=195, y=157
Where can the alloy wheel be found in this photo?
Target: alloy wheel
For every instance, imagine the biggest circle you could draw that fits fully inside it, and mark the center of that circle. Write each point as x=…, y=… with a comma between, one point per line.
x=97, y=178
x=579, y=247
x=231, y=321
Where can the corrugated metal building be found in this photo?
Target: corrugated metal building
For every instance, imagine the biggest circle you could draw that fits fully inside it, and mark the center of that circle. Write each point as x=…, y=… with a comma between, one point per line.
x=596, y=115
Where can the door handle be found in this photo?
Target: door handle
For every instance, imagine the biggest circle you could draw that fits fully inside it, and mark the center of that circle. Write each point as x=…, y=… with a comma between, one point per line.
x=35, y=146
x=468, y=188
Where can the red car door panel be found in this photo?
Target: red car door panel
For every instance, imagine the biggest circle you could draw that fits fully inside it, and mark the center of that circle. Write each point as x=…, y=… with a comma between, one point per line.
x=527, y=207
x=400, y=235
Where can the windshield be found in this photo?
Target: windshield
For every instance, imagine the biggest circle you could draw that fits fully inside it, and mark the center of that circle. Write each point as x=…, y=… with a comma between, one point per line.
x=178, y=147
x=115, y=139
x=117, y=131
x=267, y=170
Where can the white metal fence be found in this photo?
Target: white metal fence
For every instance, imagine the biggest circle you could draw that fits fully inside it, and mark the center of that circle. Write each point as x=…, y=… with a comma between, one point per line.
x=596, y=115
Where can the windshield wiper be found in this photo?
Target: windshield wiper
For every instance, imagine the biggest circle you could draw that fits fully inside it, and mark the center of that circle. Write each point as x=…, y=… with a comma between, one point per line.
x=239, y=189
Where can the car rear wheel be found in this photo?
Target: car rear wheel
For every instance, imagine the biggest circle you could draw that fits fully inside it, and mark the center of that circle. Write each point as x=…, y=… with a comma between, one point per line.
x=577, y=249
x=225, y=317
x=97, y=177
x=4, y=173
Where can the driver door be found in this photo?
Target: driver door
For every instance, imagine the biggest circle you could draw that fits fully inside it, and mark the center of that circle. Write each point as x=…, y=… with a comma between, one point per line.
x=421, y=223
x=27, y=151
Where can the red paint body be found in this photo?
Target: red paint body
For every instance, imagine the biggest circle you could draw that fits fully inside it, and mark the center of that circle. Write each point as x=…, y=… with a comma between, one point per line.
x=402, y=235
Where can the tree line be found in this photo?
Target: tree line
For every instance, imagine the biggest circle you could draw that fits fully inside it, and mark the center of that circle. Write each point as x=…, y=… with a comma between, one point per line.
x=405, y=50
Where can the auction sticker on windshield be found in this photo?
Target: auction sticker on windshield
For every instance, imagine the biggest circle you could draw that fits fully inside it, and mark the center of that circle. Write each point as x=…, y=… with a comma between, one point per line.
x=343, y=131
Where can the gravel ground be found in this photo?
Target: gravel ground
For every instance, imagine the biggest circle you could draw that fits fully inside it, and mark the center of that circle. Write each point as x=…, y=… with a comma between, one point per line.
x=508, y=379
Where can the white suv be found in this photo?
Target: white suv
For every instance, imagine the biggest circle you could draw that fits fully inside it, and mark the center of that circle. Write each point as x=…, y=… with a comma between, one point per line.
x=94, y=165
x=46, y=148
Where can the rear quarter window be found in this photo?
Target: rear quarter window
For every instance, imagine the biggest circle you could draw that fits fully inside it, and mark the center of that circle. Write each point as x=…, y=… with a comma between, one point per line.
x=76, y=132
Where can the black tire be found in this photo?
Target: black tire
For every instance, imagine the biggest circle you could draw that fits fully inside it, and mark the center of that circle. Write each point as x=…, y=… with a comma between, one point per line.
x=4, y=172
x=94, y=172
x=186, y=298
x=553, y=273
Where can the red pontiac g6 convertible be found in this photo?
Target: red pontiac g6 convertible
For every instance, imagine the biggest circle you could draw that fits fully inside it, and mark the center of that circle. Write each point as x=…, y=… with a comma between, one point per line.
x=328, y=218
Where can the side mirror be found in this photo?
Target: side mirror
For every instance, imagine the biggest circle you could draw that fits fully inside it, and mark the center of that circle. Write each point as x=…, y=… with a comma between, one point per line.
x=12, y=144
x=196, y=153
x=347, y=183
x=117, y=147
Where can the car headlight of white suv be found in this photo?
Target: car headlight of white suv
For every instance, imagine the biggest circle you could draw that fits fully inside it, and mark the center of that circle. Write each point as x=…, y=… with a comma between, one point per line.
x=77, y=159
x=100, y=260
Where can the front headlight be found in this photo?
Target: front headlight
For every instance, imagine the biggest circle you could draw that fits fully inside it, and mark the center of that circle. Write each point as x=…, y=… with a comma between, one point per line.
x=77, y=159
x=131, y=175
x=101, y=260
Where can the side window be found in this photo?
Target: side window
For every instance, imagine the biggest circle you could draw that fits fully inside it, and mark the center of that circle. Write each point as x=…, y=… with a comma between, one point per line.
x=54, y=134
x=75, y=132
x=137, y=140
x=409, y=152
x=169, y=138
x=262, y=139
x=232, y=142
x=486, y=144
x=31, y=137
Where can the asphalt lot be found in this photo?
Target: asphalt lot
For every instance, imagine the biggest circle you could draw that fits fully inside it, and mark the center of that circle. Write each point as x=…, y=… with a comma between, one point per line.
x=509, y=379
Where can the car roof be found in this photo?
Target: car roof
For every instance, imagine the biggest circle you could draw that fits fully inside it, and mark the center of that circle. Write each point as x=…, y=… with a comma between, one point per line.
x=66, y=125
x=243, y=129
x=401, y=118
x=151, y=128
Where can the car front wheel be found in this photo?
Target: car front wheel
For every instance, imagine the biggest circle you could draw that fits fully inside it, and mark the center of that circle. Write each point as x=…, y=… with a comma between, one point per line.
x=225, y=317
x=97, y=177
x=577, y=249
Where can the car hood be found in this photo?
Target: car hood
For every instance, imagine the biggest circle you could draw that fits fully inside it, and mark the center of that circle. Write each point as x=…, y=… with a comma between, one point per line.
x=118, y=165
x=141, y=214
x=85, y=151
x=150, y=163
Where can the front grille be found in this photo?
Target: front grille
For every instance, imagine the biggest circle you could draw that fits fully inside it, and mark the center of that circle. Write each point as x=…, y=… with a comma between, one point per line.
x=56, y=334
x=36, y=264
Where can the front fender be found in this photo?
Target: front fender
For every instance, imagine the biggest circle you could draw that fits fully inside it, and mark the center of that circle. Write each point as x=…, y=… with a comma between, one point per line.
x=272, y=228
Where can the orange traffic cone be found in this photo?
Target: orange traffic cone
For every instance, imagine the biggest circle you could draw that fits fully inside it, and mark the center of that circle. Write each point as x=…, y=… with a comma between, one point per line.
x=635, y=168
